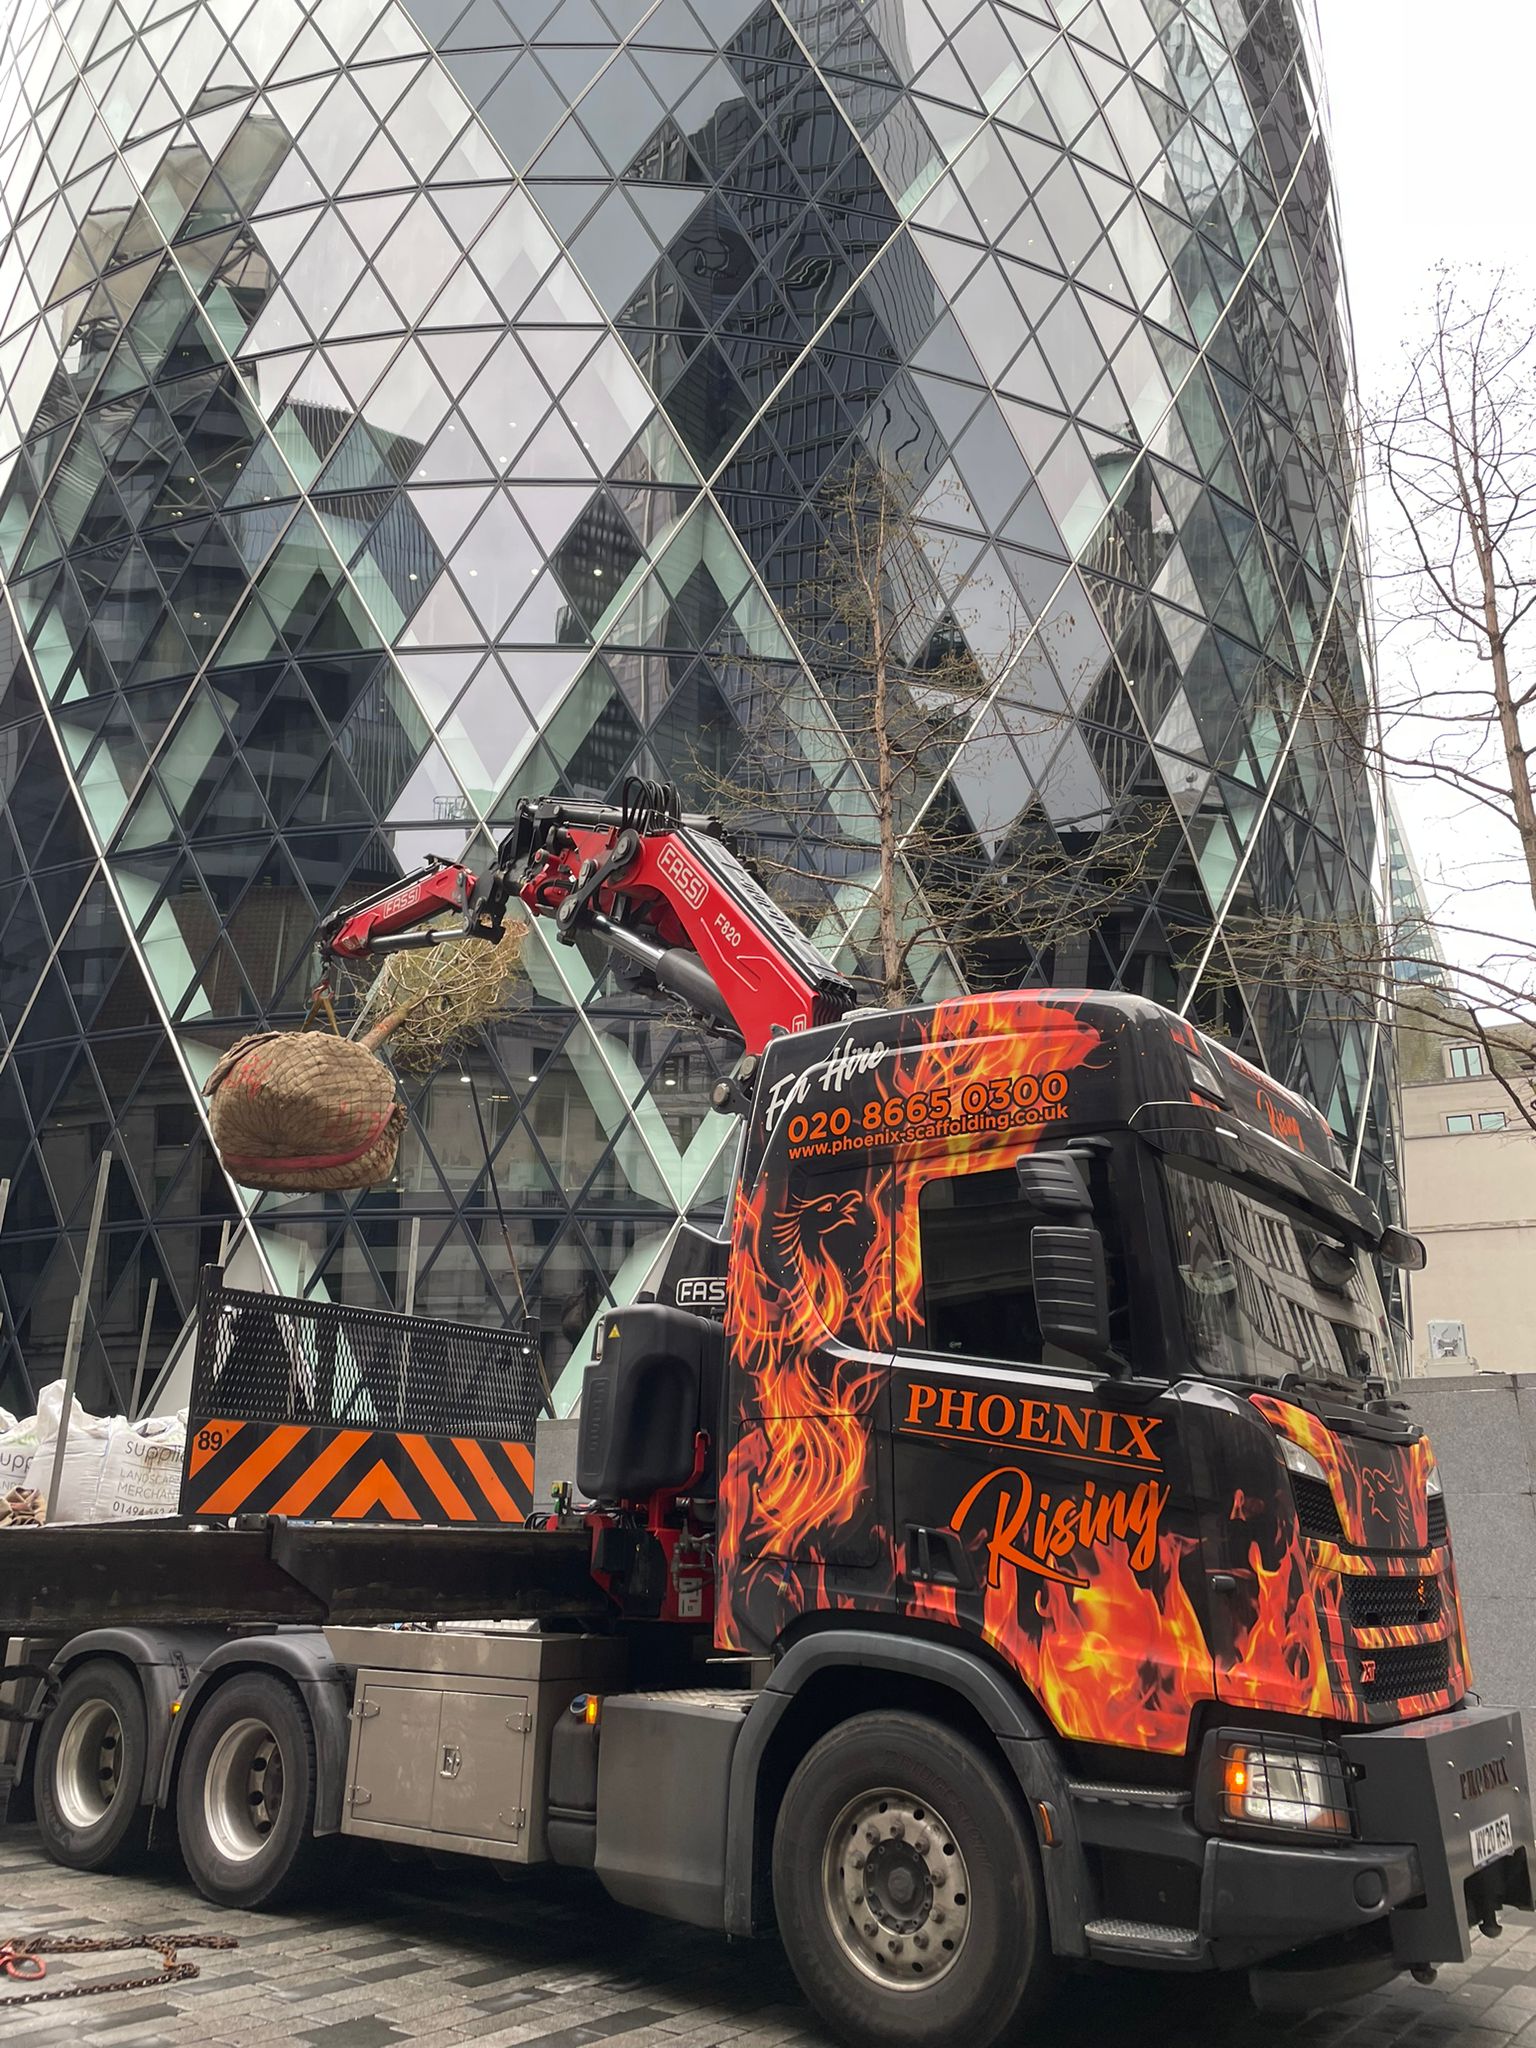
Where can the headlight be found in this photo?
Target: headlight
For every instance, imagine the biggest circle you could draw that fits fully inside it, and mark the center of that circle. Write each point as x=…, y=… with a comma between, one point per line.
x=1300, y=1461
x=1434, y=1485
x=1275, y=1783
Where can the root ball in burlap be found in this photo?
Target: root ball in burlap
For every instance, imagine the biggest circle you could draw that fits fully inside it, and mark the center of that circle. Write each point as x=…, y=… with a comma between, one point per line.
x=297, y=1111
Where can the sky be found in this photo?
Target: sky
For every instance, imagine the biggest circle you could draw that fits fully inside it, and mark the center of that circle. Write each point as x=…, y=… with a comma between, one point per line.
x=1433, y=131
x=1434, y=155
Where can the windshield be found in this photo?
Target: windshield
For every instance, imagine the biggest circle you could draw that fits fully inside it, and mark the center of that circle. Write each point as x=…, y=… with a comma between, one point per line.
x=1264, y=1291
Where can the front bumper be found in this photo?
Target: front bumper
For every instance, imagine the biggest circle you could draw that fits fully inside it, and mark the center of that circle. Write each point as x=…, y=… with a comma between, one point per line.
x=1423, y=1793
x=1444, y=1785
x=1405, y=1895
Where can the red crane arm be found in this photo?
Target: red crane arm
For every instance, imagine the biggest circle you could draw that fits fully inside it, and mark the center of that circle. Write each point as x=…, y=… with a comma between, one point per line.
x=664, y=892
x=370, y=926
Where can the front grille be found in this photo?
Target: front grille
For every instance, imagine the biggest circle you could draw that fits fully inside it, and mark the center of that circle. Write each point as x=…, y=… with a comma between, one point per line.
x=1436, y=1520
x=1316, y=1514
x=1405, y=1674
x=1391, y=1603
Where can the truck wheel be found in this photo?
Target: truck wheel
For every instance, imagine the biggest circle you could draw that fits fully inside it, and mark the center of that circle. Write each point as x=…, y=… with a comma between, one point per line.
x=907, y=1889
x=245, y=1795
x=89, y=1775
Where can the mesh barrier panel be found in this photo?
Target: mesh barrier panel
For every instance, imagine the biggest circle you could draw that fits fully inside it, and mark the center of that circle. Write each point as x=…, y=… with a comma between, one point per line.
x=267, y=1358
x=318, y=1411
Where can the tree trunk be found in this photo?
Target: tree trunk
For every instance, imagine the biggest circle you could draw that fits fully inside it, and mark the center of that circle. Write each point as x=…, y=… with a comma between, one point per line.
x=376, y=1034
x=1517, y=756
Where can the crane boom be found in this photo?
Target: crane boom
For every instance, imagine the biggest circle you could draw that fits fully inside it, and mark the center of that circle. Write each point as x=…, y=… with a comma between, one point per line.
x=664, y=891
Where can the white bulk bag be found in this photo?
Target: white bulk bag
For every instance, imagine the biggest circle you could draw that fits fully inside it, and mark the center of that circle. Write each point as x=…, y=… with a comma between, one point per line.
x=18, y=1440
x=141, y=1471
x=84, y=1446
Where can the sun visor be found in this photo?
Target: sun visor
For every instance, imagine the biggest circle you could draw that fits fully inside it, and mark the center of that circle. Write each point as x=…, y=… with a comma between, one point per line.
x=1208, y=1135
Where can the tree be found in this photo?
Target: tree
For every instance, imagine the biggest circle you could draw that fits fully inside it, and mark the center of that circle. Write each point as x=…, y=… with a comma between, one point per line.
x=1457, y=455
x=1345, y=967
x=914, y=783
x=1452, y=457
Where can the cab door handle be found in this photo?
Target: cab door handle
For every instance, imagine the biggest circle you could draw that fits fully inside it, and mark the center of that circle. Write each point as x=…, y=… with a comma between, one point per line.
x=938, y=1557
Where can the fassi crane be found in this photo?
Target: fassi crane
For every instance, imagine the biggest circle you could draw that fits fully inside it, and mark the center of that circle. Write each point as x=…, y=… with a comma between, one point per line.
x=664, y=891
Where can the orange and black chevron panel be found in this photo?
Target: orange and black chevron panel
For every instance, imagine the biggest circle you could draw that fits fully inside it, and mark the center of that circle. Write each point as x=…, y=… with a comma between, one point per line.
x=326, y=1474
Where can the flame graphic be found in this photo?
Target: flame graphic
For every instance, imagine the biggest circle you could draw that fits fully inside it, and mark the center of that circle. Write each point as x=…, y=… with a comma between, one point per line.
x=1376, y=1488
x=977, y=1042
x=818, y=1284
x=1300, y=1652
x=826, y=1282
x=798, y=1470
x=1120, y=1660
x=1280, y=1657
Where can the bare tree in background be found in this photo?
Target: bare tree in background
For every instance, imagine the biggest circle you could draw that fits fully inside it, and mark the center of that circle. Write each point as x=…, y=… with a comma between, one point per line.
x=1457, y=453
x=1456, y=578
x=1349, y=966
x=860, y=773
x=1454, y=453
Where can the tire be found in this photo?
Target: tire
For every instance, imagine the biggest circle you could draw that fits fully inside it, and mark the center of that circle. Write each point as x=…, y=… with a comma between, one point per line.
x=938, y=1936
x=88, y=1779
x=245, y=1795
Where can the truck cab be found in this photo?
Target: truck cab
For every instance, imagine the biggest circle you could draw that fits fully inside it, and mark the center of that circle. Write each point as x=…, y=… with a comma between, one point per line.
x=1054, y=1323
x=1054, y=1342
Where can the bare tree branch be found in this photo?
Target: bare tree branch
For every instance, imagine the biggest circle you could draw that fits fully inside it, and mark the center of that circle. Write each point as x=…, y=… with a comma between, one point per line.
x=887, y=791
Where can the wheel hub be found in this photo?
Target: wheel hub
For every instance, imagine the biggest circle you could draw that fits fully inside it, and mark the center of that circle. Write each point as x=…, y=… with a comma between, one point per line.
x=896, y=1889
x=89, y=1765
x=243, y=1790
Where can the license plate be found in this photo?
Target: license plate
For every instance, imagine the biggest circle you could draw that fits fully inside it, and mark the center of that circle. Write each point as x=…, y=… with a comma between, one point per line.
x=1493, y=1838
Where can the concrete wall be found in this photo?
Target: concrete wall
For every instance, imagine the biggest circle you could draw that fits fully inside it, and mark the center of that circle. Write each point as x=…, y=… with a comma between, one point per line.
x=1484, y=1433
x=1472, y=1198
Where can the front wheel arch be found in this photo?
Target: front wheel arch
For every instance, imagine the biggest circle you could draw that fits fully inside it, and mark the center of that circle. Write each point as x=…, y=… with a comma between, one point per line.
x=832, y=1674
x=908, y=1888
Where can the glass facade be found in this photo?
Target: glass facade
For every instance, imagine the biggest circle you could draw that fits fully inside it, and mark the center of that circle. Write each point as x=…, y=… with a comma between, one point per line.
x=1417, y=954
x=407, y=405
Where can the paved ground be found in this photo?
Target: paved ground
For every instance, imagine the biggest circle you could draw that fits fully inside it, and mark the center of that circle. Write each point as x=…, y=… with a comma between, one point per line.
x=434, y=1957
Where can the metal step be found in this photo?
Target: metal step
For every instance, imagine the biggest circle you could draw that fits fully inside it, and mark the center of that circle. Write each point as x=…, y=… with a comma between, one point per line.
x=1143, y=1938
x=1159, y=1798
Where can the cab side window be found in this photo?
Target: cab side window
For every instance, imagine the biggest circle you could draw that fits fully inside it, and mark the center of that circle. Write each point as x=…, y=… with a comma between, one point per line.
x=978, y=1287
x=978, y=1296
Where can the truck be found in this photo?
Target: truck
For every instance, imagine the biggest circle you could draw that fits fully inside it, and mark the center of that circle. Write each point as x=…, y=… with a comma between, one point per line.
x=998, y=1547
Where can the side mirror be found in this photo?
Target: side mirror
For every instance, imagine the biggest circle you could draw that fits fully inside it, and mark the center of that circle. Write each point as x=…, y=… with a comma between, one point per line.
x=1053, y=1182
x=1402, y=1248
x=1071, y=1288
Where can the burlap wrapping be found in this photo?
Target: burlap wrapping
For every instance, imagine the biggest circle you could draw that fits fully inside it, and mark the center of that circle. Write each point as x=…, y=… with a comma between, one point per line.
x=297, y=1111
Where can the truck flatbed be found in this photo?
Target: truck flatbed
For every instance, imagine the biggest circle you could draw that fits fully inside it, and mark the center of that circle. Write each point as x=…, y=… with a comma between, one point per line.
x=270, y=1570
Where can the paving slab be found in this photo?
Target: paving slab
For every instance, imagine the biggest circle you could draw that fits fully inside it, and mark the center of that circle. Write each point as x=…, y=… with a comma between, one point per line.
x=445, y=1958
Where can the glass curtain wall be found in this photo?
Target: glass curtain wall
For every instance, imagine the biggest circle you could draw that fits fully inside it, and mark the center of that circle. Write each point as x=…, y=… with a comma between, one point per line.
x=409, y=407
